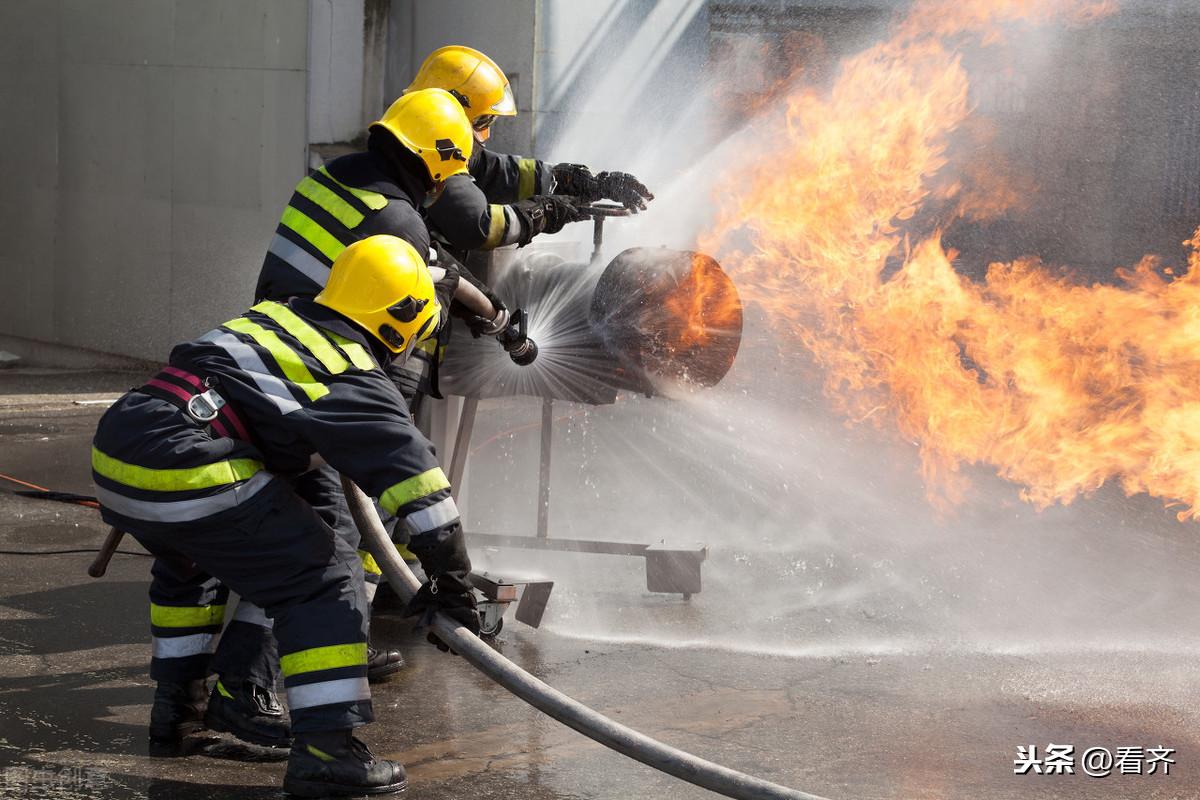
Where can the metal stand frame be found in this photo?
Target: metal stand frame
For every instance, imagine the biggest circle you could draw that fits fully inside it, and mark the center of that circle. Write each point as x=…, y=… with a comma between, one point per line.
x=669, y=570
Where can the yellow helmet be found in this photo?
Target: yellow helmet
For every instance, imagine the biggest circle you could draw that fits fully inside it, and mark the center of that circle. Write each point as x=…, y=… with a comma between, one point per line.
x=475, y=81
x=432, y=124
x=382, y=283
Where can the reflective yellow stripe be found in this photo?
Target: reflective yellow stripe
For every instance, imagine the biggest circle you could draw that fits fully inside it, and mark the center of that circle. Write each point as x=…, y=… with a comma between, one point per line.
x=414, y=488
x=309, y=336
x=357, y=353
x=321, y=754
x=372, y=200
x=186, y=616
x=405, y=553
x=527, y=183
x=428, y=345
x=288, y=359
x=328, y=657
x=313, y=233
x=369, y=564
x=342, y=211
x=496, y=228
x=174, y=480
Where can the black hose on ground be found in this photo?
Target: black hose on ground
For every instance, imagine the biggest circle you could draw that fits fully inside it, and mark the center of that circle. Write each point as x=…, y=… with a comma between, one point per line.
x=548, y=700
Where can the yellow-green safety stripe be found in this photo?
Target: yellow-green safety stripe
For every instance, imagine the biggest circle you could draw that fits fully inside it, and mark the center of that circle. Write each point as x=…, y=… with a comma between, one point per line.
x=309, y=336
x=414, y=488
x=186, y=479
x=370, y=566
x=527, y=178
x=288, y=359
x=496, y=227
x=313, y=233
x=327, y=199
x=329, y=657
x=186, y=616
x=372, y=200
x=355, y=351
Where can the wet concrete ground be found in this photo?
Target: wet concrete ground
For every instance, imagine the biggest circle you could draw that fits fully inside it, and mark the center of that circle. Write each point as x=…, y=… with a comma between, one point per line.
x=74, y=695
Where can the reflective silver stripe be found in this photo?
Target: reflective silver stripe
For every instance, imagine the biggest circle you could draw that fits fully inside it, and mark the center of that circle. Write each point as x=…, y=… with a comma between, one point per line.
x=253, y=615
x=435, y=516
x=183, y=510
x=183, y=646
x=249, y=361
x=369, y=590
x=513, y=228
x=300, y=260
x=345, y=690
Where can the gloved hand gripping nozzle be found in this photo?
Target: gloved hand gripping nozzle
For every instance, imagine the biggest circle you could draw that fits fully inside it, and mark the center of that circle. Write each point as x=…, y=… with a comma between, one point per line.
x=515, y=339
x=486, y=315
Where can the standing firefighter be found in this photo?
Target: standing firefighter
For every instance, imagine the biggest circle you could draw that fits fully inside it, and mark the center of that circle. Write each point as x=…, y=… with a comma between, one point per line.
x=199, y=463
x=506, y=199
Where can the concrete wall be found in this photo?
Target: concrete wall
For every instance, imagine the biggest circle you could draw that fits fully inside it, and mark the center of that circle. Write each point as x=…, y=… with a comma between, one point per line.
x=148, y=147
x=594, y=82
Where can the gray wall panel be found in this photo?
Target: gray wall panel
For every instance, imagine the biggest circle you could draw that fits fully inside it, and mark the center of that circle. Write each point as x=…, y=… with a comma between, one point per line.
x=115, y=32
x=247, y=34
x=149, y=147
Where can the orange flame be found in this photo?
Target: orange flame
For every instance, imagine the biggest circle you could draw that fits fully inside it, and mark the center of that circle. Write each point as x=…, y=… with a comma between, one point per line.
x=703, y=305
x=1060, y=387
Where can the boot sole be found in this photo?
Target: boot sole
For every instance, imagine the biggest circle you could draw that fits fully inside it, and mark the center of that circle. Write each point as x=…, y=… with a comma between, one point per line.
x=376, y=675
x=215, y=723
x=303, y=788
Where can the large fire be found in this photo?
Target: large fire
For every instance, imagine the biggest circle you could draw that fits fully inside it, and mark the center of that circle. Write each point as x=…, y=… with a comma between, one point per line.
x=1061, y=387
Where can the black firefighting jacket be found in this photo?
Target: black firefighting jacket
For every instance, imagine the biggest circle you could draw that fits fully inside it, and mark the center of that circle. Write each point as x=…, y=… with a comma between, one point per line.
x=472, y=212
x=304, y=382
x=350, y=198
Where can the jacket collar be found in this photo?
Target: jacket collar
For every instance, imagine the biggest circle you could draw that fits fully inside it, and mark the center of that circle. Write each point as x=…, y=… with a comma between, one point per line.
x=330, y=320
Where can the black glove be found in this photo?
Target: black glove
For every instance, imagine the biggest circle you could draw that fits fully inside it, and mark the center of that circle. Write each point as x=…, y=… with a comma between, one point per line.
x=625, y=189
x=459, y=606
x=545, y=213
x=576, y=180
x=482, y=326
x=443, y=555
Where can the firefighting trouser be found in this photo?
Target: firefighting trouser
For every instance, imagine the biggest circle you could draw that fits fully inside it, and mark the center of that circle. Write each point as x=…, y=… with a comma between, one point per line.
x=277, y=553
x=247, y=649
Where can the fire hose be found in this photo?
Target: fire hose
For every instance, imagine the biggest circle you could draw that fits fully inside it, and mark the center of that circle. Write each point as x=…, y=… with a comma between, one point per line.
x=545, y=698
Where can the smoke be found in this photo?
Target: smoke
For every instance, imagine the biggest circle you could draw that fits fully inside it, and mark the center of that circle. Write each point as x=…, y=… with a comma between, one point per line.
x=821, y=538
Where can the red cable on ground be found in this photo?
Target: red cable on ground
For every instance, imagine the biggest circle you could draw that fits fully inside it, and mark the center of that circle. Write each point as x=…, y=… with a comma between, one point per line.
x=52, y=494
x=23, y=483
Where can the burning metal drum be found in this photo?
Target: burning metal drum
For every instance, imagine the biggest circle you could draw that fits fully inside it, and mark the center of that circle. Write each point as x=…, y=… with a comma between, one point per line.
x=650, y=321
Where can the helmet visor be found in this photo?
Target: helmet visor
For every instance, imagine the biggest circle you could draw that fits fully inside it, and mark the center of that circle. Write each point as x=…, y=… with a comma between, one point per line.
x=505, y=106
x=427, y=328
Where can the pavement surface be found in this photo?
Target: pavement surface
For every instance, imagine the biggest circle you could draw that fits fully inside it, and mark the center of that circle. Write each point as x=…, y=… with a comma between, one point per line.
x=896, y=723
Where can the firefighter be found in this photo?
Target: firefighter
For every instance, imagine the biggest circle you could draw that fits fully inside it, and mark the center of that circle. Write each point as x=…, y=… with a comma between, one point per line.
x=506, y=199
x=422, y=139
x=199, y=466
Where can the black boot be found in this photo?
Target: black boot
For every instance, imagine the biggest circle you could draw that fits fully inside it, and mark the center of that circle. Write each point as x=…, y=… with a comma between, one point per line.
x=178, y=710
x=382, y=663
x=249, y=712
x=334, y=763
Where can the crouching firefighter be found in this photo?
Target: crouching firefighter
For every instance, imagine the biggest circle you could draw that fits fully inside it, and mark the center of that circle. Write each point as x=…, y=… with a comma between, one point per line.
x=199, y=465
